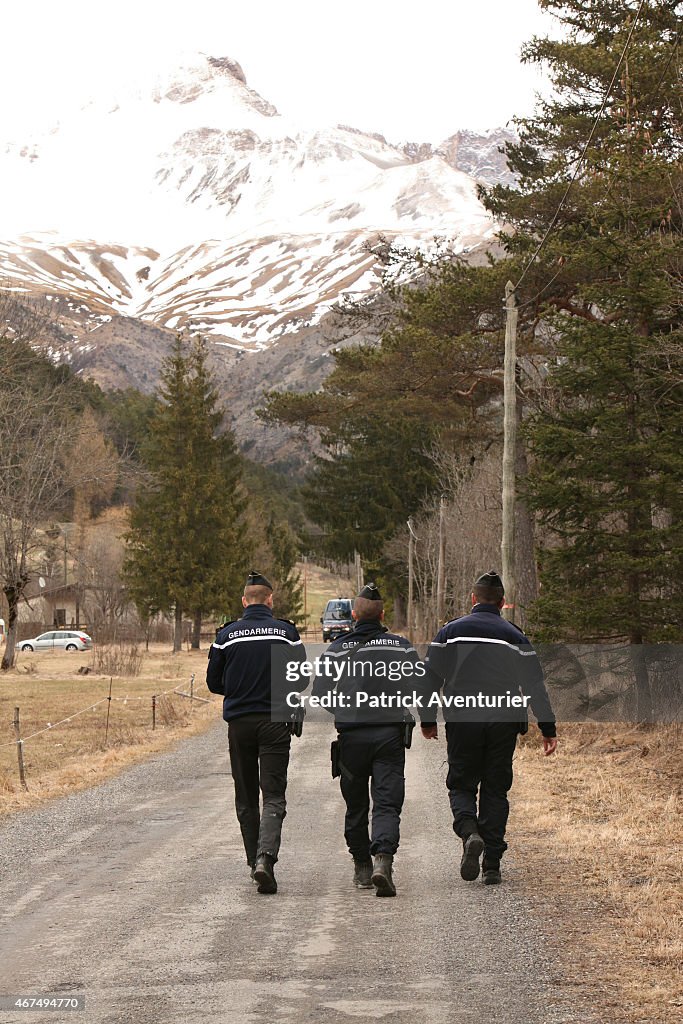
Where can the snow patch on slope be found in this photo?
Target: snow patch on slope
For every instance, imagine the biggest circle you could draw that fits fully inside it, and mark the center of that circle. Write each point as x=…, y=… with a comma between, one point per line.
x=225, y=217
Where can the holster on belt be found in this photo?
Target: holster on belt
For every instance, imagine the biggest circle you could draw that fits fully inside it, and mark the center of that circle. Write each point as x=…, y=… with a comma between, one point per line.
x=296, y=720
x=335, y=759
x=408, y=726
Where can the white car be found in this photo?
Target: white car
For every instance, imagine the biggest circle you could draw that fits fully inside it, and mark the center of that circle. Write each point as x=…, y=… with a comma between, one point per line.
x=64, y=639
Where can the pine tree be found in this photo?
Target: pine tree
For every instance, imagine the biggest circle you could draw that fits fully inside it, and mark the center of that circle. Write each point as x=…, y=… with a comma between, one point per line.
x=600, y=325
x=383, y=407
x=377, y=476
x=188, y=549
x=284, y=551
x=606, y=439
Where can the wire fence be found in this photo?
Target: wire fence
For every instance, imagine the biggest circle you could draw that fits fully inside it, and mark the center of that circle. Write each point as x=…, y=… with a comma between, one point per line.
x=145, y=712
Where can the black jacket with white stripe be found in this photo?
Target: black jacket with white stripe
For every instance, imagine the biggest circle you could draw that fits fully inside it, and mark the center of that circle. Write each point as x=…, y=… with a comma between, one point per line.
x=373, y=663
x=240, y=660
x=482, y=653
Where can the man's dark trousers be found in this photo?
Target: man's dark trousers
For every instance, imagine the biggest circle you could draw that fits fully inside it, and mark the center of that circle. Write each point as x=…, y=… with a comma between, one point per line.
x=259, y=756
x=373, y=759
x=480, y=758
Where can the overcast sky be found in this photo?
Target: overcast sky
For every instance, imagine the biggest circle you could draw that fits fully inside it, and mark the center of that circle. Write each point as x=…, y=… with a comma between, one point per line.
x=411, y=69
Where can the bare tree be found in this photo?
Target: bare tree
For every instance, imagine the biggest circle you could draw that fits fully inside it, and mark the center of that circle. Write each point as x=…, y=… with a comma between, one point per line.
x=99, y=454
x=472, y=521
x=39, y=467
x=34, y=447
x=108, y=598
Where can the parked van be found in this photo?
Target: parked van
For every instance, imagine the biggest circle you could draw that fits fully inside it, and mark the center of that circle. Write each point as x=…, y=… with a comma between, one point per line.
x=3, y=632
x=336, y=619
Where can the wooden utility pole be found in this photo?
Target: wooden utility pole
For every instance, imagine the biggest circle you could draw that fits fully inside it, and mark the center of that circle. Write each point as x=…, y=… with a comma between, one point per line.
x=106, y=728
x=441, y=567
x=509, y=445
x=411, y=540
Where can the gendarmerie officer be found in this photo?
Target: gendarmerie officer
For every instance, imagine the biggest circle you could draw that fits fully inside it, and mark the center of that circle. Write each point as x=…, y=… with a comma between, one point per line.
x=371, y=740
x=240, y=669
x=489, y=665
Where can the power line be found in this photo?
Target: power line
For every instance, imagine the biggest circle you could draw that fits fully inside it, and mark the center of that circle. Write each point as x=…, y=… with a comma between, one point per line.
x=577, y=168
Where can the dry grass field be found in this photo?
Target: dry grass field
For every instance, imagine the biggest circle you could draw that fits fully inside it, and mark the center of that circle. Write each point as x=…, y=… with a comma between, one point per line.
x=47, y=688
x=601, y=833
x=321, y=587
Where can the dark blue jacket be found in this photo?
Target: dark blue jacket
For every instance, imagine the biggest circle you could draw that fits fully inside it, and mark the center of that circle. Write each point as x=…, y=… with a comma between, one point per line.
x=240, y=660
x=482, y=652
x=386, y=664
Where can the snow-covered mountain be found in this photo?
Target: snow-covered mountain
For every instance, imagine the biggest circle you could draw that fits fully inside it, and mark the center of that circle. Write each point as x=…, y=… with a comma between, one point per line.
x=189, y=202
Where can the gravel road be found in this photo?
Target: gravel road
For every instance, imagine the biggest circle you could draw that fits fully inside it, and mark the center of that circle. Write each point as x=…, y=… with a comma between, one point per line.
x=136, y=895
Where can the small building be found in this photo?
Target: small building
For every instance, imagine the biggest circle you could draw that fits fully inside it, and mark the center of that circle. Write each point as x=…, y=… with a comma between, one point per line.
x=49, y=602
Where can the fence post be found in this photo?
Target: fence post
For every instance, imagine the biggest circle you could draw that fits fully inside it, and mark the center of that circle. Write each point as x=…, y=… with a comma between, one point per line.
x=154, y=711
x=192, y=693
x=106, y=731
x=20, y=750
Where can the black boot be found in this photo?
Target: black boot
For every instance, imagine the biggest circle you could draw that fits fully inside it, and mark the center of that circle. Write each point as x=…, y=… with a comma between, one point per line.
x=263, y=874
x=381, y=875
x=362, y=873
x=472, y=849
x=490, y=870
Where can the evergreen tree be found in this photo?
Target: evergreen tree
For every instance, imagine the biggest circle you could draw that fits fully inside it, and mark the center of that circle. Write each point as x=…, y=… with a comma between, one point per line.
x=378, y=474
x=284, y=551
x=599, y=336
x=606, y=483
x=128, y=414
x=606, y=440
x=382, y=408
x=187, y=546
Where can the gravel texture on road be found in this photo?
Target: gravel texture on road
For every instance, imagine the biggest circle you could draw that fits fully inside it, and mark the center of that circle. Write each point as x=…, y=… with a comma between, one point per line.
x=136, y=894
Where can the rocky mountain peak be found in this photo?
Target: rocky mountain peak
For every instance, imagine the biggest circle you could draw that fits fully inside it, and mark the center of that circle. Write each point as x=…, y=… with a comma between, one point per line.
x=480, y=155
x=197, y=75
x=228, y=66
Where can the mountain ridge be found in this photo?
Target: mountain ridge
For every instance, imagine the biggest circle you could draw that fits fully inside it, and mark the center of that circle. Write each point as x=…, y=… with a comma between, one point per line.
x=192, y=204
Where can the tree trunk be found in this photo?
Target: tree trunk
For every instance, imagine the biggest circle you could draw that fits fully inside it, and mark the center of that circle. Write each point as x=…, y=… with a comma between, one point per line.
x=643, y=691
x=509, y=467
x=178, y=629
x=196, y=630
x=12, y=596
x=527, y=578
x=399, y=612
